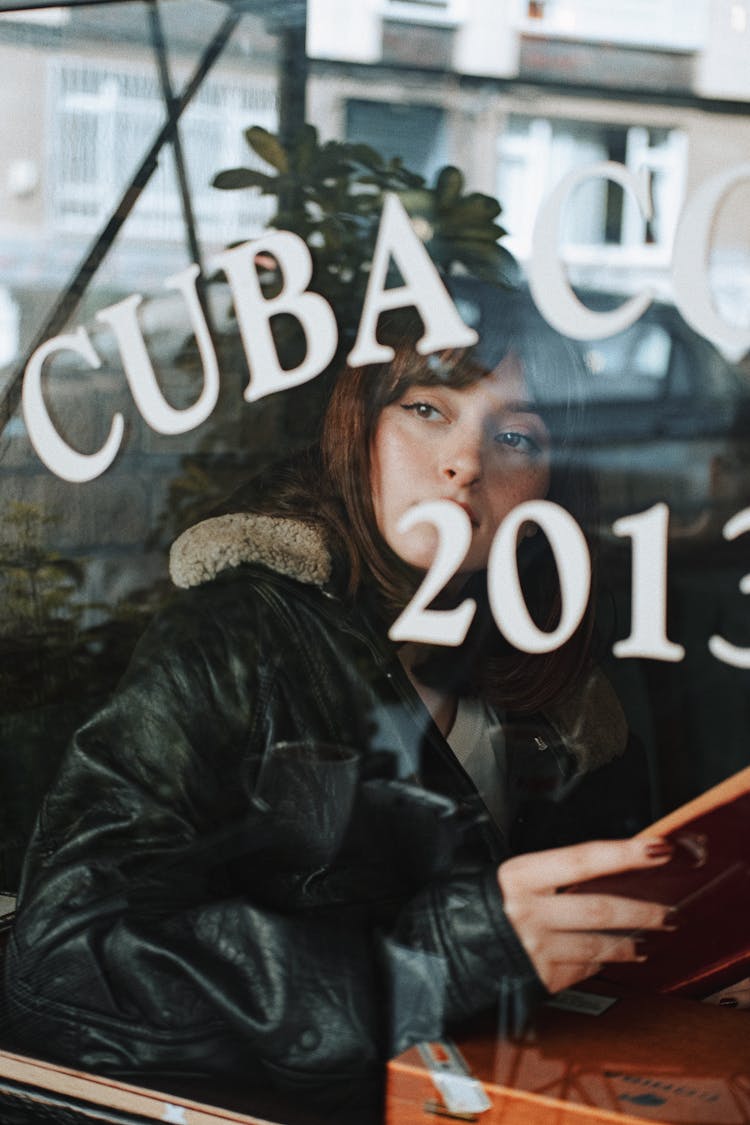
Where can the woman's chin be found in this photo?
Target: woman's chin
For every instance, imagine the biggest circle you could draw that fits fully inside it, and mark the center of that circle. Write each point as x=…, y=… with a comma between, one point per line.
x=416, y=551
x=420, y=554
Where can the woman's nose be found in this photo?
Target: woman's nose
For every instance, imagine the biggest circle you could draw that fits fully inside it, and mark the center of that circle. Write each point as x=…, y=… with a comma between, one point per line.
x=462, y=463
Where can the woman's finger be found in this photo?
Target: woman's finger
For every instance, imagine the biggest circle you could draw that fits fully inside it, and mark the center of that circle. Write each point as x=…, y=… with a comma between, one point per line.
x=559, y=867
x=556, y=977
x=585, y=948
x=599, y=912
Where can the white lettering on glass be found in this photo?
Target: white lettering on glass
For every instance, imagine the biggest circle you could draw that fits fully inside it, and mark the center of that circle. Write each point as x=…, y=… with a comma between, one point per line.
x=122, y=318
x=649, y=533
x=724, y=651
x=549, y=285
x=254, y=311
x=573, y=562
x=423, y=289
x=435, y=626
x=59, y=457
x=648, y=618
x=690, y=262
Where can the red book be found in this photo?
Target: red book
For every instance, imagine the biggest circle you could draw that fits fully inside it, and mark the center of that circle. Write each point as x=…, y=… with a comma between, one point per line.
x=708, y=883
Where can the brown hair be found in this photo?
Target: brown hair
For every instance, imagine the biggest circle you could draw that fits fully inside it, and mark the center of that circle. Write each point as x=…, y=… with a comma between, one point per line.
x=485, y=664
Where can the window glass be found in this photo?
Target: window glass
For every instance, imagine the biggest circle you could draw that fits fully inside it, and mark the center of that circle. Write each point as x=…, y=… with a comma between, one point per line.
x=374, y=572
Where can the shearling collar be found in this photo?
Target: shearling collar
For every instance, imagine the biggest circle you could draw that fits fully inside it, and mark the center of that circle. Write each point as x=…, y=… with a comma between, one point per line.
x=287, y=546
x=590, y=721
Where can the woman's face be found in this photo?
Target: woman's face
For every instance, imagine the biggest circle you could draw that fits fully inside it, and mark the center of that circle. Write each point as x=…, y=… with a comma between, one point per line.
x=483, y=447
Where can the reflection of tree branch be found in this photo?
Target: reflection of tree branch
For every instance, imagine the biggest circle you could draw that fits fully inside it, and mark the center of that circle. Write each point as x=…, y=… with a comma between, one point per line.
x=46, y=646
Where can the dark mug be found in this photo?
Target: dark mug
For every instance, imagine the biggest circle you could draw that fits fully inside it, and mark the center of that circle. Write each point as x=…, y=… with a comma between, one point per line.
x=307, y=789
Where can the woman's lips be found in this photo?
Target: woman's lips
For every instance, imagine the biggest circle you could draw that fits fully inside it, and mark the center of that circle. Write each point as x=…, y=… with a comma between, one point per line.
x=467, y=508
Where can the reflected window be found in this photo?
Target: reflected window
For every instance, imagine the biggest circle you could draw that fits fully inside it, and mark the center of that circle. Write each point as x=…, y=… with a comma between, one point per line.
x=104, y=117
x=665, y=24
x=416, y=133
x=535, y=153
x=422, y=11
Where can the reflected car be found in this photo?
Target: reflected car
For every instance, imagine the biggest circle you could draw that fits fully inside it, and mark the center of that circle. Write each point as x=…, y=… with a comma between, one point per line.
x=666, y=416
x=668, y=419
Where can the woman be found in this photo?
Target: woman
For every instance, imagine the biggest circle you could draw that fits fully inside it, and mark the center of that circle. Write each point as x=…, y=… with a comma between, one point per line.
x=201, y=898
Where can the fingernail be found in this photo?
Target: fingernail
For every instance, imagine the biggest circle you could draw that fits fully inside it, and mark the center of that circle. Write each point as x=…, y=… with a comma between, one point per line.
x=728, y=1002
x=640, y=946
x=671, y=921
x=658, y=849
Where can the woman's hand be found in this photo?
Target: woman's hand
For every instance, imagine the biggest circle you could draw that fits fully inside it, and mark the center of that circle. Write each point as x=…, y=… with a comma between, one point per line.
x=566, y=935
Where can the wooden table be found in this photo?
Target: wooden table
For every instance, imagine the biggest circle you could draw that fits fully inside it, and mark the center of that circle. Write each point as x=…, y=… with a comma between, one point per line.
x=637, y=1059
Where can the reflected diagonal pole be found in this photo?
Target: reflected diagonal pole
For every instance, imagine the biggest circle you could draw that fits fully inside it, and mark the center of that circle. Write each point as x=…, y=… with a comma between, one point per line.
x=183, y=183
x=76, y=287
x=167, y=93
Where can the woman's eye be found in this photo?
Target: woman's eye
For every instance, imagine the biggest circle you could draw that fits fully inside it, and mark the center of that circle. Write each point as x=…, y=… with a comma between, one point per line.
x=422, y=410
x=524, y=443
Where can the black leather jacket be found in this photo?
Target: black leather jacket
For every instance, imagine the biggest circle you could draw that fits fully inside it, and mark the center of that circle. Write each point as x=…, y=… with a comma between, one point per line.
x=170, y=921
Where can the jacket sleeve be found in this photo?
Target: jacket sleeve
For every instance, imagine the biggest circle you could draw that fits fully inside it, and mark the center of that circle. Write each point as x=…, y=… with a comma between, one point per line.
x=130, y=955
x=453, y=953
